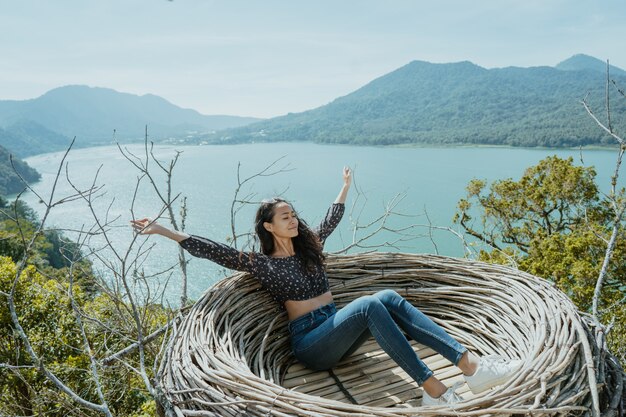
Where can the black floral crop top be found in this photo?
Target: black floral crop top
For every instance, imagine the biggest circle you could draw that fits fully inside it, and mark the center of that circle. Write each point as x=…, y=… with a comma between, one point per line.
x=284, y=278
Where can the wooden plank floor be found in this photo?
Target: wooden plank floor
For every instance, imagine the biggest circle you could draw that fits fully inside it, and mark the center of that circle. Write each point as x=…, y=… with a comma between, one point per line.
x=372, y=378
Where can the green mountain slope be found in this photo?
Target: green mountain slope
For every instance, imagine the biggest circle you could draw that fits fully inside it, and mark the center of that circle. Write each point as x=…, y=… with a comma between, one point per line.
x=459, y=103
x=10, y=182
x=26, y=138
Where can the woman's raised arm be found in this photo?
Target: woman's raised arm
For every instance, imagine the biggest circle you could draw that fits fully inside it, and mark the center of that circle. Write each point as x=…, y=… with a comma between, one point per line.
x=335, y=212
x=347, y=180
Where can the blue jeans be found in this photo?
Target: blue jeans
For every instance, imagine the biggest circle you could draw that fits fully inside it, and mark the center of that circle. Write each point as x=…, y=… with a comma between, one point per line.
x=323, y=337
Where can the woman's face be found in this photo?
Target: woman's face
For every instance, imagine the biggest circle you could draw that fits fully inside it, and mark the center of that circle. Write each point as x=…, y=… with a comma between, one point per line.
x=284, y=222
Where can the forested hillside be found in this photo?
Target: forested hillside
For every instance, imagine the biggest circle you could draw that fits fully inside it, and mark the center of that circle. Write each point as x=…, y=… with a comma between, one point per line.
x=459, y=103
x=26, y=138
x=10, y=182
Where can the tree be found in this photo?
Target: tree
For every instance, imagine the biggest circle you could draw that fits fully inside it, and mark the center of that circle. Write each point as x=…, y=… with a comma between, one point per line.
x=552, y=197
x=56, y=338
x=120, y=314
x=52, y=336
x=552, y=222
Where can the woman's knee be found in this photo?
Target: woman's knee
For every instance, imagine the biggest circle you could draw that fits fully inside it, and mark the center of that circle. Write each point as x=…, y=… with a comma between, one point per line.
x=371, y=303
x=388, y=297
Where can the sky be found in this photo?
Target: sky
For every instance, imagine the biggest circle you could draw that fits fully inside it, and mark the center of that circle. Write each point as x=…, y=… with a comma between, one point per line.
x=266, y=58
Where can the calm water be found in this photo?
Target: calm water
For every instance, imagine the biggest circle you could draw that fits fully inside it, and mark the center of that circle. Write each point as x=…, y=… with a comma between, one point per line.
x=431, y=181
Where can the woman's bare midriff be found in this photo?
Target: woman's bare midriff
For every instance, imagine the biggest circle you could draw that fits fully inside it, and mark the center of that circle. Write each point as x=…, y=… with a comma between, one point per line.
x=296, y=309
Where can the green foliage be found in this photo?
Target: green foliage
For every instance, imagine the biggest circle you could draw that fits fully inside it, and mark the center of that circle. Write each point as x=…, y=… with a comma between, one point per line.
x=43, y=310
x=18, y=223
x=15, y=231
x=553, y=197
x=553, y=223
x=148, y=409
x=573, y=261
x=124, y=386
x=46, y=315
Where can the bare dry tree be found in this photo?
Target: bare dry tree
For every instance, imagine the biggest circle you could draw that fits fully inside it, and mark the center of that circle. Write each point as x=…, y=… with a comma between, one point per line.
x=617, y=203
x=143, y=166
x=38, y=362
x=128, y=288
x=129, y=291
x=126, y=292
x=616, y=197
x=239, y=202
x=364, y=232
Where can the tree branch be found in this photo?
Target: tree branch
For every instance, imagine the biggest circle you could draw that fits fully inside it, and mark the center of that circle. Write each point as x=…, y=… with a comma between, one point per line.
x=20, y=266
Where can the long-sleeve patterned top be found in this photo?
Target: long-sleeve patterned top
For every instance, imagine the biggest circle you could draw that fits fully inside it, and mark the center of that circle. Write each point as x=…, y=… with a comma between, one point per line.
x=284, y=278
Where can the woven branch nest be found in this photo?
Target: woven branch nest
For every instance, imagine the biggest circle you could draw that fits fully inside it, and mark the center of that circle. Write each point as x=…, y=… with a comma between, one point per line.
x=231, y=355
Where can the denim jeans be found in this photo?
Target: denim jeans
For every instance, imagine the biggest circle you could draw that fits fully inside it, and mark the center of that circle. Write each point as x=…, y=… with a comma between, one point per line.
x=323, y=337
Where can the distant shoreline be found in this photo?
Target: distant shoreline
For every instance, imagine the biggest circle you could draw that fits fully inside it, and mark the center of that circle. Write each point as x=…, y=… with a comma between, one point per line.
x=477, y=145
x=403, y=145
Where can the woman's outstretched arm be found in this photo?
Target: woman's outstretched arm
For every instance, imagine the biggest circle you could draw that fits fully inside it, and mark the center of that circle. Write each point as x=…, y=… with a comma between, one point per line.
x=146, y=226
x=347, y=180
x=202, y=247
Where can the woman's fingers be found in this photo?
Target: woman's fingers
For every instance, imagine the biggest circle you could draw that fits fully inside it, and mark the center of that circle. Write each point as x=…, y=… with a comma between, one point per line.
x=141, y=225
x=347, y=175
x=138, y=227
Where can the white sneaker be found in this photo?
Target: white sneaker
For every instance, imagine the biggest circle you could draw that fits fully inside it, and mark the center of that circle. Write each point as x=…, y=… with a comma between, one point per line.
x=492, y=370
x=450, y=397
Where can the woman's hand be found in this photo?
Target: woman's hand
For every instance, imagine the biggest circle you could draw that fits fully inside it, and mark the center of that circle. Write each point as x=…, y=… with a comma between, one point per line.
x=347, y=180
x=146, y=226
x=347, y=176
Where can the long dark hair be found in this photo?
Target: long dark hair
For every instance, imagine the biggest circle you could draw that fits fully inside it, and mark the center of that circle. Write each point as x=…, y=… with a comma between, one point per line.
x=307, y=244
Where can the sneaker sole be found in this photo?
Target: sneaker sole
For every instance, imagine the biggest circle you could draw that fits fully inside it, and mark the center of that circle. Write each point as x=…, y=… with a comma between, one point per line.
x=492, y=383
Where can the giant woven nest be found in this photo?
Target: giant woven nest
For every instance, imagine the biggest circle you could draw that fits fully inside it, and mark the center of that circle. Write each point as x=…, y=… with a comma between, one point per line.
x=231, y=355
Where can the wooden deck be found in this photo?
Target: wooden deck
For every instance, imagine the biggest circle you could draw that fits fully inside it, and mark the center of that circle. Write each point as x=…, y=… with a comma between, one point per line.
x=371, y=378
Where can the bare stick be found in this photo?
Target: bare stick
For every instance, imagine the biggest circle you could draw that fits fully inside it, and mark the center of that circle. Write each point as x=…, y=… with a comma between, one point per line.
x=619, y=207
x=86, y=345
x=147, y=339
x=599, y=123
x=362, y=233
x=127, y=297
x=143, y=166
x=237, y=203
x=607, y=99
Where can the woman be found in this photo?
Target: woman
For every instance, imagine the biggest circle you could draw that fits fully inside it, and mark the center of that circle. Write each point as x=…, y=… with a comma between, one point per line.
x=291, y=267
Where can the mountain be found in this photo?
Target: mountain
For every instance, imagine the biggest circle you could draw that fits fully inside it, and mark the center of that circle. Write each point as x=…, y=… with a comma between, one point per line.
x=92, y=114
x=10, y=182
x=454, y=103
x=25, y=138
x=582, y=62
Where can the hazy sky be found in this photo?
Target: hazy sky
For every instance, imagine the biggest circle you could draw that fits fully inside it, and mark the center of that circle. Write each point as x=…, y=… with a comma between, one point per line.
x=265, y=58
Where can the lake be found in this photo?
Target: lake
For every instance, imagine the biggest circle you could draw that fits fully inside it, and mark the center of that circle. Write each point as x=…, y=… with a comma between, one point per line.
x=426, y=183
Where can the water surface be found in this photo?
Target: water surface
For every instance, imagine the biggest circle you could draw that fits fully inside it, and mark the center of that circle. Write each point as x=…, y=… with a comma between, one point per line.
x=430, y=182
